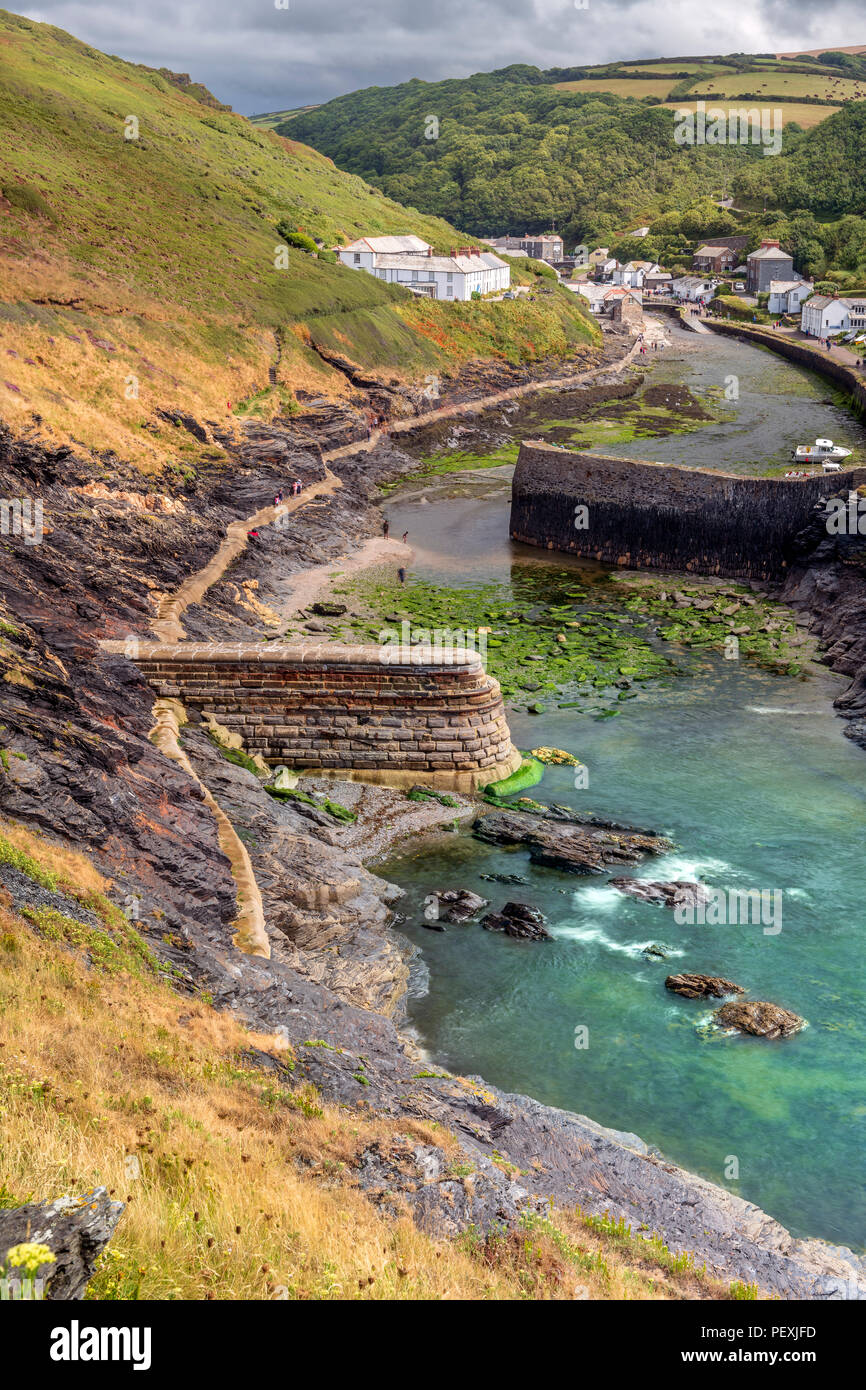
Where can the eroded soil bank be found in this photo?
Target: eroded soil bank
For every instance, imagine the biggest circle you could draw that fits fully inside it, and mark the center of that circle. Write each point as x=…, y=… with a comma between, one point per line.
x=79, y=765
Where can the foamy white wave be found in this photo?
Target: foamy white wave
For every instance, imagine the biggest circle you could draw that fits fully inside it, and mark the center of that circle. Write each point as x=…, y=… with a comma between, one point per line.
x=592, y=935
x=781, y=709
x=671, y=867
x=597, y=897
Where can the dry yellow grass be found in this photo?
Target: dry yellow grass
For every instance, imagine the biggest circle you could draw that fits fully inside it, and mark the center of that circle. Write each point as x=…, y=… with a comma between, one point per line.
x=804, y=114
x=239, y=1185
x=620, y=86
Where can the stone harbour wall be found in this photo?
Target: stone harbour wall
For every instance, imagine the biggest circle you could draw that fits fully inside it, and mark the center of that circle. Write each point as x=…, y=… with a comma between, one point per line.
x=438, y=719
x=641, y=514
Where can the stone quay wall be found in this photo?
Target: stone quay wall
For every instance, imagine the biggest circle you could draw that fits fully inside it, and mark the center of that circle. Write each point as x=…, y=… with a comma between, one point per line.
x=646, y=515
x=437, y=719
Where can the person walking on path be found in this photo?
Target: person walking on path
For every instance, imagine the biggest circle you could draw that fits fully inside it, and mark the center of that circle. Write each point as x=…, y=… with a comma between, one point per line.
x=386, y=528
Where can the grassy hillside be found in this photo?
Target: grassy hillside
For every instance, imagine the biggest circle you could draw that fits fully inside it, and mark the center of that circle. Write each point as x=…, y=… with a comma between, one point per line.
x=138, y=273
x=238, y=1179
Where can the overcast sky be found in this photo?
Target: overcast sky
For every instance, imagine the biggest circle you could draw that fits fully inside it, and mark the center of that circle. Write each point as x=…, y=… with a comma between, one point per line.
x=262, y=58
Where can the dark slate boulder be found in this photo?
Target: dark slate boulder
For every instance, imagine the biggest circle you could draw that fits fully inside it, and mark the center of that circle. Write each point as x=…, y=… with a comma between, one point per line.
x=75, y=1229
x=518, y=920
x=700, y=986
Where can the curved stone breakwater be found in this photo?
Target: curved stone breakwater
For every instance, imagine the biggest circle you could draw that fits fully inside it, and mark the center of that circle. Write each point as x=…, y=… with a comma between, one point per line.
x=438, y=716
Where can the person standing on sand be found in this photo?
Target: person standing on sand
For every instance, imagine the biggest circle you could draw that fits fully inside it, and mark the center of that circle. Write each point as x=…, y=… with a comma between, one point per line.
x=405, y=537
x=386, y=528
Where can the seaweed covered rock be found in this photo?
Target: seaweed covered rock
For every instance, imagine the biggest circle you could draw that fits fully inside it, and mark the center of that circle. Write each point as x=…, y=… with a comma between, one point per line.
x=759, y=1018
x=519, y=920
x=692, y=986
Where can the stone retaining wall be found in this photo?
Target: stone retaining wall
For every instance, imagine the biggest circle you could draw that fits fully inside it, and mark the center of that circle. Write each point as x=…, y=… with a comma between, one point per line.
x=642, y=514
x=439, y=719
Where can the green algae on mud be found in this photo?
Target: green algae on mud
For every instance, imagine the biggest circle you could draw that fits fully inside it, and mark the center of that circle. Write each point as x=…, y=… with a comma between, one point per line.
x=456, y=461
x=591, y=643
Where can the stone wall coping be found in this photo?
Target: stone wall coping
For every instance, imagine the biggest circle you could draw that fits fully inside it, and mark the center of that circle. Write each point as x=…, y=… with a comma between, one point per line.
x=280, y=655
x=853, y=477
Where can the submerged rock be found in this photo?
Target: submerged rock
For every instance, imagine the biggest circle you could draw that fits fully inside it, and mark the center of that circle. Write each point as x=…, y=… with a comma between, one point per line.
x=699, y=986
x=504, y=878
x=655, y=951
x=759, y=1018
x=580, y=848
x=519, y=920
x=678, y=893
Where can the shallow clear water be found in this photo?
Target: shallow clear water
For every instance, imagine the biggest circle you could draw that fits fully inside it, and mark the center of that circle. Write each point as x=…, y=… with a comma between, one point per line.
x=751, y=776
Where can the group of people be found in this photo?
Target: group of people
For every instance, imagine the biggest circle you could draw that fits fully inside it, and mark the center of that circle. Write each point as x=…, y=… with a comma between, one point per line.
x=297, y=489
x=374, y=422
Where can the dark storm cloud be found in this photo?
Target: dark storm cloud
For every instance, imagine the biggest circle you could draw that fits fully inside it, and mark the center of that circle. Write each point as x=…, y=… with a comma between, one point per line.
x=261, y=57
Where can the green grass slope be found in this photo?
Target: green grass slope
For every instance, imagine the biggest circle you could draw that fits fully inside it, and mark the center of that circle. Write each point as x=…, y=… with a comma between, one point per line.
x=139, y=273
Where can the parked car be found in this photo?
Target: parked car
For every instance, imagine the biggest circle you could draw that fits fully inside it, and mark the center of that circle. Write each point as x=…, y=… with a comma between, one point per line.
x=739, y=286
x=509, y=294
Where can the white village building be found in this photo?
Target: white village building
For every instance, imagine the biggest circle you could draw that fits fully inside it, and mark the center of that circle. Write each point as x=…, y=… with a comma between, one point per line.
x=633, y=273
x=824, y=317
x=409, y=261
x=786, y=296
x=693, y=287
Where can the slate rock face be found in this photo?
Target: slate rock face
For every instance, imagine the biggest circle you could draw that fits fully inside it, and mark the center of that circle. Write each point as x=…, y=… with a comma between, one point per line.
x=446, y=1193
x=700, y=986
x=759, y=1018
x=76, y=1229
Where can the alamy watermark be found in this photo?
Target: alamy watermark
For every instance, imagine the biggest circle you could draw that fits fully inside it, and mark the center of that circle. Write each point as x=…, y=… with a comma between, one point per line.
x=22, y=516
x=847, y=518
x=735, y=125
x=713, y=907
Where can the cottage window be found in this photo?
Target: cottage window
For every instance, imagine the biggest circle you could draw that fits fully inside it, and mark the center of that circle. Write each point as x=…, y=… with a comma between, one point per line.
x=357, y=258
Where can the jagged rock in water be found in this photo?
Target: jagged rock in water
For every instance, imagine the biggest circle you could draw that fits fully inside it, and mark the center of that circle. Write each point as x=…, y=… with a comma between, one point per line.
x=504, y=878
x=75, y=1229
x=457, y=904
x=700, y=986
x=678, y=893
x=586, y=848
x=760, y=1018
x=519, y=920
x=655, y=951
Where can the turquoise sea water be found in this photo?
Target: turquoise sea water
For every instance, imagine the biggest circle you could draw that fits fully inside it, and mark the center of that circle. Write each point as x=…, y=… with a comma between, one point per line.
x=751, y=777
